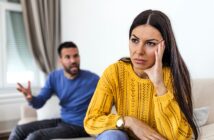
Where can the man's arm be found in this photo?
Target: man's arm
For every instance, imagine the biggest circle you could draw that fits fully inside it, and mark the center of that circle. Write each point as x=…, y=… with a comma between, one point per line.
x=44, y=94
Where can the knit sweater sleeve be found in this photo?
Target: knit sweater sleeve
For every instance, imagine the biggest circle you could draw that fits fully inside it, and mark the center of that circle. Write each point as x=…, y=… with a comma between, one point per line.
x=98, y=117
x=170, y=120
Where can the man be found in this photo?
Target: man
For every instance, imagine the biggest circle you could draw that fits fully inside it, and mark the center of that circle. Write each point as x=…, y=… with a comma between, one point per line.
x=73, y=87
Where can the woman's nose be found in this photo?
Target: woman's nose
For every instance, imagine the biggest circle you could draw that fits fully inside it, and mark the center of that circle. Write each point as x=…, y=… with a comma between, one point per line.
x=141, y=48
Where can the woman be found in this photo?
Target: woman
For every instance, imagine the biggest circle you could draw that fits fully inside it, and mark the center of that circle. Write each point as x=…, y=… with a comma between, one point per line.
x=151, y=90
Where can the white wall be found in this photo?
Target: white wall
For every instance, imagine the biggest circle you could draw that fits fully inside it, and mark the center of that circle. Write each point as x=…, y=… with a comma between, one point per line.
x=100, y=29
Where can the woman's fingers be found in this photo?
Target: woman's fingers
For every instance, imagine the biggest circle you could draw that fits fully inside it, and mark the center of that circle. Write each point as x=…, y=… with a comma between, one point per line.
x=158, y=136
x=161, y=49
x=156, y=57
x=155, y=137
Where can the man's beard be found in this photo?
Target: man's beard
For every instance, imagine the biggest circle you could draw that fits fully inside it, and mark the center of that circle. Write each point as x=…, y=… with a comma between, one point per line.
x=73, y=69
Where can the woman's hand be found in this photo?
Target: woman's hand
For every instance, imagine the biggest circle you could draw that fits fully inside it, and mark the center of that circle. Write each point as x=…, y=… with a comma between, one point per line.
x=141, y=129
x=155, y=73
x=26, y=91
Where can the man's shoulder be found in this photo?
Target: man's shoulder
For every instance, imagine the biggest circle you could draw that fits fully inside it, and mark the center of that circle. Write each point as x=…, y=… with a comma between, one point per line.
x=88, y=78
x=87, y=73
x=56, y=73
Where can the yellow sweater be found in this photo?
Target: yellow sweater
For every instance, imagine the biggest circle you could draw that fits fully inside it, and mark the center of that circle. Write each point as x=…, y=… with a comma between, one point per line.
x=133, y=96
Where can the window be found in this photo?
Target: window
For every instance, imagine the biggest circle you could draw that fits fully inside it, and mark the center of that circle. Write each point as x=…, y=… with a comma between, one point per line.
x=16, y=60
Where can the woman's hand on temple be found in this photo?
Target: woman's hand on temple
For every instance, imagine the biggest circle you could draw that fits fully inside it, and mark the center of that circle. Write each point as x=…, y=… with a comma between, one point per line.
x=155, y=73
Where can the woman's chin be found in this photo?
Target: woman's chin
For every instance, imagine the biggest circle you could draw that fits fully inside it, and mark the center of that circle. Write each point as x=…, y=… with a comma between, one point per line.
x=140, y=67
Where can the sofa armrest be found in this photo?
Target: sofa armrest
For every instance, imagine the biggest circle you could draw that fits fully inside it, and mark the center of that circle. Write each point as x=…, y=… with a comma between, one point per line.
x=28, y=114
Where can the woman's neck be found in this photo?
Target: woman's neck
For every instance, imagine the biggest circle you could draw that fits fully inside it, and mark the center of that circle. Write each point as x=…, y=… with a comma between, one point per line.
x=141, y=73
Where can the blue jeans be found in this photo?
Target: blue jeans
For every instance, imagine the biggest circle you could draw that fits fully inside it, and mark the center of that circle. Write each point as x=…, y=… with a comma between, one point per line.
x=47, y=129
x=113, y=135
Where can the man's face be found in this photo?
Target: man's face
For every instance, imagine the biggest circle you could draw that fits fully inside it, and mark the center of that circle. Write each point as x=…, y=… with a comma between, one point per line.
x=70, y=61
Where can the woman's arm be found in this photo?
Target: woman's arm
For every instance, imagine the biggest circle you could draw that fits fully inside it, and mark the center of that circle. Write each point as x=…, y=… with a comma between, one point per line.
x=170, y=121
x=141, y=129
x=99, y=117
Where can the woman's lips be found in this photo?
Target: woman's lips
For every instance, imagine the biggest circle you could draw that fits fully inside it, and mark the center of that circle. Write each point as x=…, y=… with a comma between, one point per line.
x=140, y=61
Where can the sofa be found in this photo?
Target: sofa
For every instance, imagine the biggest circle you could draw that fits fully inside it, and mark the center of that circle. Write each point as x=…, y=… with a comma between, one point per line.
x=203, y=101
x=203, y=97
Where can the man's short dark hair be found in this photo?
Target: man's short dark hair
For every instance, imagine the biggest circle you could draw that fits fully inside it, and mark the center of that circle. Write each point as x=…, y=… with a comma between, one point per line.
x=68, y=44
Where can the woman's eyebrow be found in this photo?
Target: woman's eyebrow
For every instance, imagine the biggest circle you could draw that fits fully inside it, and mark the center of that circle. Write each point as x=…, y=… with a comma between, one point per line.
x=153, y=40
x=135, y=36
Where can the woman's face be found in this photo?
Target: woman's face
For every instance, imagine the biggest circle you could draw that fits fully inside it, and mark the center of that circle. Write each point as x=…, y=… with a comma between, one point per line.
x=142, y=46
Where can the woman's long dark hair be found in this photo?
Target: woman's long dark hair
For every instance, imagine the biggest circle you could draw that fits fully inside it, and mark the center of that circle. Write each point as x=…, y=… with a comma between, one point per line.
x=171, y=58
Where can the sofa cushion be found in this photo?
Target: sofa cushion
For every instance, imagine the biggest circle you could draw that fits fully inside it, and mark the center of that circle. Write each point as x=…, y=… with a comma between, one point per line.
x=207, y=132
x=201, y=114
x=203, y=95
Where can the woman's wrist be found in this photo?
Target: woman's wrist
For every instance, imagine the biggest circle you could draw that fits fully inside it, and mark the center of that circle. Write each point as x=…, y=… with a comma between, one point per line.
x=127, y=122
x=161, y=89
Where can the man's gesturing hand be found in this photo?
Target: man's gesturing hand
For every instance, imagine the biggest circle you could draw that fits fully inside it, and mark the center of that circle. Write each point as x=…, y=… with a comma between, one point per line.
x=26, y=91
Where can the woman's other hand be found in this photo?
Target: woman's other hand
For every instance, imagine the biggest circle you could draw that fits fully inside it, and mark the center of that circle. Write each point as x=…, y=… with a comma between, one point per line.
x=141, y=129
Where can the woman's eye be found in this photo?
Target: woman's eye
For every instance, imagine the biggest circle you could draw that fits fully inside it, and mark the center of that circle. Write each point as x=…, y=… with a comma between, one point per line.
x=134, y=40
x=151, y=44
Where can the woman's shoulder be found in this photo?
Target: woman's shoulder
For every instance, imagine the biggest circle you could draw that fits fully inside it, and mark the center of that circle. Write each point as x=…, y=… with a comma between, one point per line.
x=117, y=65
x=114, y=68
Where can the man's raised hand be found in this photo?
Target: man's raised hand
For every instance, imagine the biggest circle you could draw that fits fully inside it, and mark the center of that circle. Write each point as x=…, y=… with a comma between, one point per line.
x=26, y=91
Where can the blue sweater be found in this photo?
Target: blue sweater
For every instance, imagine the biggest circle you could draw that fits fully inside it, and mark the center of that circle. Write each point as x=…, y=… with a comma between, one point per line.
x=74, y=94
